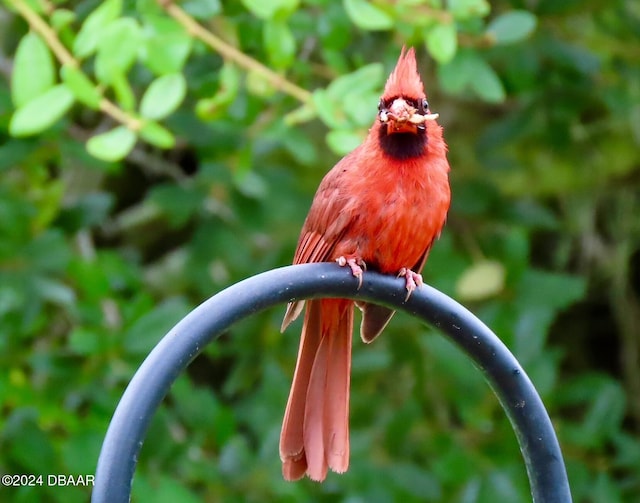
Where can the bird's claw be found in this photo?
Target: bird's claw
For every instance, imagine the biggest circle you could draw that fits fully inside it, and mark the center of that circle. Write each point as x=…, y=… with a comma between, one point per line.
x=413, y=281
x=357, y=267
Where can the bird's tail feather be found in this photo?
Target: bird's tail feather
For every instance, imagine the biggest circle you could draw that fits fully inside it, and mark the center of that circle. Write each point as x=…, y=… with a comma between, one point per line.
x=315, y=430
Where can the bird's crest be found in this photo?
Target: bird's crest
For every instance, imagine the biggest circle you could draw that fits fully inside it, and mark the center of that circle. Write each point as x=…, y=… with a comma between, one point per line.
x=405, y=79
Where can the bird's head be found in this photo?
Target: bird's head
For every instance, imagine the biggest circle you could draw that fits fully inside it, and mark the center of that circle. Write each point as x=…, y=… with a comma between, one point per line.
x=403, y=107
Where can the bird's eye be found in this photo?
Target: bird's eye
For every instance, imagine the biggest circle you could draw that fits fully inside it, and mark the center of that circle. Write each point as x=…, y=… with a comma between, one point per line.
x=425, y=105
x=380, y=106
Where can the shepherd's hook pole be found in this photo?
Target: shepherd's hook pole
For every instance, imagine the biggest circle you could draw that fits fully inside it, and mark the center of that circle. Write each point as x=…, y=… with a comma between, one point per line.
x=516, y=393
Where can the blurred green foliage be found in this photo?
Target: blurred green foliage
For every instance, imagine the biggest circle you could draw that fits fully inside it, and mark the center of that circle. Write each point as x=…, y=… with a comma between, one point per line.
x=153, y=153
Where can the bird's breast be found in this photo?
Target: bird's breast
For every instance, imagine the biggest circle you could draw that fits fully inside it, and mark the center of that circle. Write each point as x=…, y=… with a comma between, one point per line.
x=399, y=211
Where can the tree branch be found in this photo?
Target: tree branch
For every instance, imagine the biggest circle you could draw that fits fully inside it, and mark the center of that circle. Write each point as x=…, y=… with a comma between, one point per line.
x=64, y=57
x=229, y=52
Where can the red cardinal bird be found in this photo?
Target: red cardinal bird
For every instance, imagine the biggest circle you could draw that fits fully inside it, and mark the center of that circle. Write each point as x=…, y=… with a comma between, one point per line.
x=381, y=207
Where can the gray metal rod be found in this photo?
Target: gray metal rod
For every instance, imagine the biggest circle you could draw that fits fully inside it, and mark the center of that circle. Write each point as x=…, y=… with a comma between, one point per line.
x=517, y=395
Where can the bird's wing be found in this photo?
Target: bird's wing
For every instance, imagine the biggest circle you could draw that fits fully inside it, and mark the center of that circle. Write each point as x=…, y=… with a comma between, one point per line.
x=324, y=228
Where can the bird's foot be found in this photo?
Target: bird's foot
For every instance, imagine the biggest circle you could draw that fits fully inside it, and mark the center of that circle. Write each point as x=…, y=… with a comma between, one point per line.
x=413, y=280
x=356, y=265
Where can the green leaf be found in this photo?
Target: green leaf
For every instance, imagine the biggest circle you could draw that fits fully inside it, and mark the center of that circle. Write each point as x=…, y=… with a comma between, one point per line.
x=155, y=134
x=82, y=88
x=271, y=9
x=140, y=338
x=163, y=490
x=113, y=145
x=24, y=435
x=163, y=96
x=54, y=291
x=36, y=5
x=62, y=18
x=261, y=9
x=487, y=84
x=250, y=183
x=177, y=203
x=351, y=99
x=480, y=281
x=456, y=75
x=14, y=152
x=606, y=487
x=79, y=451
x=48, y=252
x=468, y=71
x=420, y=483
x=197, y=405
x=343, y=141
x=603, y=403
x=33, y=71
x=361, y=108
x=229, y=81
x=258, y=85
x=512, y=26
x=123, y=91
x=148, y=8
x=228, y=86
x=279, y=42
x=300, y=115
x=367, y=16
x=202, y=9
x=166, y=45
x=499, y=486
x=327, y=111
x=117, y=49
x=465, y=9
x=42, y=112
x=546, y=289
x=366, y=78
x=606, y=412
x=90, y=34
x=442, y=42
x=84, y=342
x=298, y=143
x=86, y=211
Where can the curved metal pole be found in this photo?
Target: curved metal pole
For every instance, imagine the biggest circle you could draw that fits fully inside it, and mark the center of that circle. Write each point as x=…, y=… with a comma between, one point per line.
x=529, y=418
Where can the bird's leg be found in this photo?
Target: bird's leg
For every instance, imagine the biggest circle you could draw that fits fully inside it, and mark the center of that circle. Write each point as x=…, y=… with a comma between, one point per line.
x=356, y=265
x=413, y=280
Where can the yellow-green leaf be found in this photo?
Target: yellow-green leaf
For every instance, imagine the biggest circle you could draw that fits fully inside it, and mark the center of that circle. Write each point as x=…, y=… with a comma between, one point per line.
x=343, y=141
x=82, y=88
x=41, y=112
x=258, y=85
x=155, y=134
x=327, y=110
x=166, y=45
x=113, y=145
x=117, y=49
x=300, y=115
x=367, y=16
x=228, y=86
x=480, y=281
x=442, y=42
x=123, y=91
x=270, y=9
x=279, y=42
x=163, y=96
x=87, y=40
x=33, y=70
x=465, y=9
x=62, y=19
